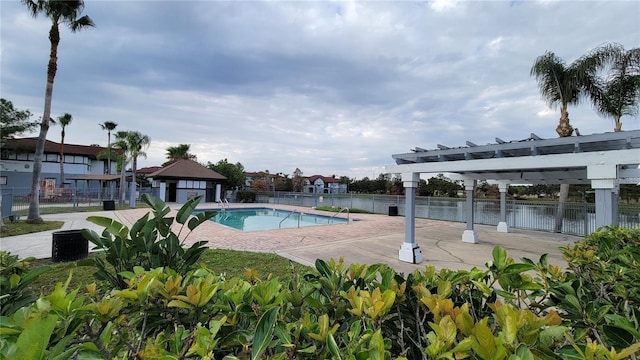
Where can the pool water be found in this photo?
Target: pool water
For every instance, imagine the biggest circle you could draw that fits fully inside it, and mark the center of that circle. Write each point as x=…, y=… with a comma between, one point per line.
x=256, y=219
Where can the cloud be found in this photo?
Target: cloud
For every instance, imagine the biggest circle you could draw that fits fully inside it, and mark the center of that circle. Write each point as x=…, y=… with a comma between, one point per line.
x=330, y=87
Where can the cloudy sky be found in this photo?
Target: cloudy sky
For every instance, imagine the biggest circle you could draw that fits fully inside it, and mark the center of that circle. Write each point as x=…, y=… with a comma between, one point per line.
x=330, y=87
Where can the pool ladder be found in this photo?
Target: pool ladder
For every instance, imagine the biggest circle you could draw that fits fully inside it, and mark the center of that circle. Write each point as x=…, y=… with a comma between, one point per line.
x=286, y=217
x=223, y=203
x=338, y=213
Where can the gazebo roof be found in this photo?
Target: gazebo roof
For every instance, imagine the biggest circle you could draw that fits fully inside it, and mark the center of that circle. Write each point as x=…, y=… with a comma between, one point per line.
x=186, y=169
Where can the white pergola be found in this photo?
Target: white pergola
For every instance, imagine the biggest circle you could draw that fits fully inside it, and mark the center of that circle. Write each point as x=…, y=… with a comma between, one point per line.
x=602, y=160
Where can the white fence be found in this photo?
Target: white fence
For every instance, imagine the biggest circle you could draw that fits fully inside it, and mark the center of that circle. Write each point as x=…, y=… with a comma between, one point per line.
x=579, y=218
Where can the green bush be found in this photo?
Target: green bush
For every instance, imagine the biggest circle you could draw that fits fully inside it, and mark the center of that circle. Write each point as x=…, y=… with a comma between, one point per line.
x=15, y=276
x=246, y=197
x=150, y=243
x=508, y=310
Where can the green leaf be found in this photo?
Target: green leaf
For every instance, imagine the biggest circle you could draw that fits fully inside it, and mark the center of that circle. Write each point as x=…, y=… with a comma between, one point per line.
x=619, y=337
x=111, y=226
x=34, y=339
x=264, y=332
x=523, y=353
x=518, y=268
x=187, y=209
x=332, y=346
x=376, y=348
x=499, y=257
x=199, y=218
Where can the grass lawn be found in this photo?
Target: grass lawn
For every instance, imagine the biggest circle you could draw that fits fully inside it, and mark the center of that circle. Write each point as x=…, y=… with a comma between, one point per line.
x=21, y=227
x=230, y=262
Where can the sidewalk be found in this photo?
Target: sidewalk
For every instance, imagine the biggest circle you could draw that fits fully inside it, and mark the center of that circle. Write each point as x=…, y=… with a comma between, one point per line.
x=371, y=239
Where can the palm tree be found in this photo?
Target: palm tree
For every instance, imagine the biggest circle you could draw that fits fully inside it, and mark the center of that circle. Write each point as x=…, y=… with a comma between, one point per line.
x=137, y=143
x=563, y=85
x=618, y=93
x=109, y=126
x=122, y=144
x=63, y=120
x=175, y=153
x=60, y=12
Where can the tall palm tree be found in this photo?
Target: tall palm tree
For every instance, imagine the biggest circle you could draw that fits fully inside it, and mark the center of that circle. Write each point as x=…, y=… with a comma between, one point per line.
x=60, y=12
x=122, y=144
x=175, y=153
x=137, y=144
x=63, y=120
x=618, y=94
x=109, y=126
x=563, y=85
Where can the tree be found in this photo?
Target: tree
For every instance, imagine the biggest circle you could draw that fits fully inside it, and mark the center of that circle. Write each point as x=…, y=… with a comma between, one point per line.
x=137, y=144
x=109, y=126
x=59, y=12
x=618, y=93
x=563, y=85
x=63, y=120
x=233, y=172
x=14, y=122
x=175, y=153
x=297, y=181
x=122, y=144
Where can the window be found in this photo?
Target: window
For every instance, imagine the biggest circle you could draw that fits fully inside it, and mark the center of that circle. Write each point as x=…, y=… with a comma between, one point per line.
x=3, y=180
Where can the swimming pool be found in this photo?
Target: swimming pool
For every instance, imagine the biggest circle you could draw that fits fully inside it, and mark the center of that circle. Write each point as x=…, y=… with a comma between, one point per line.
x=256, y=219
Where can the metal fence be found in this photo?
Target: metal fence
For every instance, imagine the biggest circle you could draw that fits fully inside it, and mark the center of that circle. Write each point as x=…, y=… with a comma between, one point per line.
x=15, y=201
x=579, y=218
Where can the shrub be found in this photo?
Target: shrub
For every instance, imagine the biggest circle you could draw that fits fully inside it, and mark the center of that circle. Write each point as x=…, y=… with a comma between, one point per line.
x=15, y=276
x=246, y=196
x=509, y=310
x=150, y=243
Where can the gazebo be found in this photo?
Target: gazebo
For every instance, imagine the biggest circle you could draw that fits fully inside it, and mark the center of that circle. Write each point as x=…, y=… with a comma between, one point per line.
x=602, y=160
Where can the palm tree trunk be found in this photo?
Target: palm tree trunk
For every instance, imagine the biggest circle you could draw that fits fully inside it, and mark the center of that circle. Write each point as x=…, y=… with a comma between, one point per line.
x=134, y=183
x=564, y=129
x=562, y=201
x=109, y=152
x=62, y=160
x=123, y=180
x=34, y=203
x=618, y=124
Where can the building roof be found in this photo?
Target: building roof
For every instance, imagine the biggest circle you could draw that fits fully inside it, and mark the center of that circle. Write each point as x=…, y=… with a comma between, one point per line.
x=148, y=170
x=28, y=145
x=97, y=177
x=186, y=169
x=325, y=179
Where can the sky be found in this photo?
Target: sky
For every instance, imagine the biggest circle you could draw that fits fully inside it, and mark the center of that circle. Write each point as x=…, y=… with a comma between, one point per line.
x=329, y=87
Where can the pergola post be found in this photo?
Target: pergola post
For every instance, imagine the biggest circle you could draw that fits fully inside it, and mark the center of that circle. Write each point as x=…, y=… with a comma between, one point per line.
x=409, y=250
x=469, y=235
x=604, y=182
x=503, y=186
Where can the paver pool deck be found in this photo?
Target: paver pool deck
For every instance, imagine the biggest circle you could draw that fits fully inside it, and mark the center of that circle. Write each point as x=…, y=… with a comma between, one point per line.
x=367, y=240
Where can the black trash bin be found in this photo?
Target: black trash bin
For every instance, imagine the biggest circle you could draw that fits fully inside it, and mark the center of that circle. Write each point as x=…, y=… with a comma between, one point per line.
x=69, y=245
x=109, y=205
x=393, y=210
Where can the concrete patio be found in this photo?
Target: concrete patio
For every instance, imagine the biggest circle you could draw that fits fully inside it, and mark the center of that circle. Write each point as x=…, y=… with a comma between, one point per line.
x=368, y=240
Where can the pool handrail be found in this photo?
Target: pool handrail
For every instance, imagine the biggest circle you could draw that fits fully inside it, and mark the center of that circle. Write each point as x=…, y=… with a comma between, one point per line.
x=223, y=203
x=286, y=217
x=338, y=213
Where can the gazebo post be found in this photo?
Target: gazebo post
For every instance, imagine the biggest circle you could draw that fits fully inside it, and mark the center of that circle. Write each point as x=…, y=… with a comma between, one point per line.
x=604, y=182
x=469, y=235
x=410, y=251
x=503, y=186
